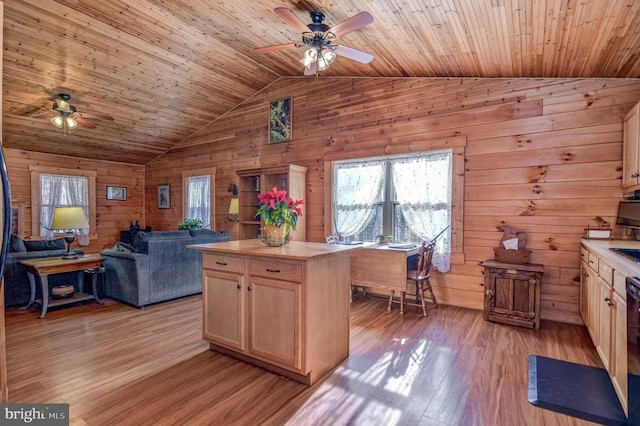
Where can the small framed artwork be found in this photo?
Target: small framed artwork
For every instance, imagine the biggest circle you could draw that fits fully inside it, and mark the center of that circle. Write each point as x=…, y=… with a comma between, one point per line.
x=116, y=193
x=280, y=125
x=164, y=197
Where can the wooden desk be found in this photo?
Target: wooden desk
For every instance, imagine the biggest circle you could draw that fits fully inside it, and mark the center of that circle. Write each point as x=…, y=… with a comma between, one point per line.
x=381, y=265
x=42, y=268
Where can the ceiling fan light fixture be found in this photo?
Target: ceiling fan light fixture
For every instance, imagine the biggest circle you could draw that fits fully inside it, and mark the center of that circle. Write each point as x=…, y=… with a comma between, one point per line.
x=310, y=56
x=72, y=123
x=328, y=56
x=57, y=121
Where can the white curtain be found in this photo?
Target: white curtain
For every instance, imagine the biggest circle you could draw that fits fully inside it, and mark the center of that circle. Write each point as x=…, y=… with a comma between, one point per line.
x=199, y=196
x=61, y=190
x=423, y=191
x=357, y=187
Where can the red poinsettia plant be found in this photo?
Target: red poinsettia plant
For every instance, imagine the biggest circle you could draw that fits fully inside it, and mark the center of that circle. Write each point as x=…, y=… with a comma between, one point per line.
x=277, y=208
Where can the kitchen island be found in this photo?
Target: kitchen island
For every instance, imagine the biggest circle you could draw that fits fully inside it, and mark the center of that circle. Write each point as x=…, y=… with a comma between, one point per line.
x=285, y=308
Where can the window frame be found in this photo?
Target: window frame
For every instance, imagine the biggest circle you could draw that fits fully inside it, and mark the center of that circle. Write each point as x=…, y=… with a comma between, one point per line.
x=457, y=144
x=36, y=199
x=211, y=172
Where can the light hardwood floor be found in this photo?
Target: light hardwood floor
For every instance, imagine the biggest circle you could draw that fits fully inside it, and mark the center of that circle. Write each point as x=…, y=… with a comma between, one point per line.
x=116, y=365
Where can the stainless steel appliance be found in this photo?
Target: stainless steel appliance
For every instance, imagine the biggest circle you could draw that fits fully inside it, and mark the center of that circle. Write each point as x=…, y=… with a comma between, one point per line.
x=633, y=347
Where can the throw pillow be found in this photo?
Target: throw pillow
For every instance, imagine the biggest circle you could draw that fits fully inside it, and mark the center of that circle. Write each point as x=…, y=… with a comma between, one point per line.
x=123, y=247
x=43, y=245
x=16, y=245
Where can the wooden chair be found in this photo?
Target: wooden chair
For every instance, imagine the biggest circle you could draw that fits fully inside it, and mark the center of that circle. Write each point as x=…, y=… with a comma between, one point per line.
x=420, y=278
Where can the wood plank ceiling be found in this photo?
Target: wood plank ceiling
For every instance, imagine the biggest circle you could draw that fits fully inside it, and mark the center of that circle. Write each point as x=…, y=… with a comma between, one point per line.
x=164, y=69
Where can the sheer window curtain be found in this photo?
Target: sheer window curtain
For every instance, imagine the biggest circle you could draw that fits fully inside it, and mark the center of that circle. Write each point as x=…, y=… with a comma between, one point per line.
x=199, y=199
x=358, y=186
x=61, y=190
x=423, y=191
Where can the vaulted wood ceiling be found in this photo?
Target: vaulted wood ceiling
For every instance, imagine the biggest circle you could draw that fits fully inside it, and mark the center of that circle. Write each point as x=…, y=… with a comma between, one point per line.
x=164, y=69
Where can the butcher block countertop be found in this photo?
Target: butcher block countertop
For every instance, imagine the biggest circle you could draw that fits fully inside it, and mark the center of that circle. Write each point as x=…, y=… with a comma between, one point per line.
x=294, y=250
x=617, y=261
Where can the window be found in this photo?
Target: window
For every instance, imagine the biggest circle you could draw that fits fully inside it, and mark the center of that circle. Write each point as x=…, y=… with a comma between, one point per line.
x=52, y=187
x=198, y=196
x=408, y=197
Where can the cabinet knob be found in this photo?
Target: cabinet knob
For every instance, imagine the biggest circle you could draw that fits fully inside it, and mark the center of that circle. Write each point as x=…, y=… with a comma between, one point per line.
x=239, y=287
x=489, y=293
x=634, y=175
x=249, y=288
x=584, y=274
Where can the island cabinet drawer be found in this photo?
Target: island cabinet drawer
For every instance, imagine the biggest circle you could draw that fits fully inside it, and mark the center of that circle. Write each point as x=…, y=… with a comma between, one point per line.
x=222, y=263
x=276, y=270
x=592, y=261
x=605, y=271
x=584, y=254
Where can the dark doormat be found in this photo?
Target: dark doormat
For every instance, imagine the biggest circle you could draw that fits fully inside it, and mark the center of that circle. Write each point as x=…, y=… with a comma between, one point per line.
x=575, y=390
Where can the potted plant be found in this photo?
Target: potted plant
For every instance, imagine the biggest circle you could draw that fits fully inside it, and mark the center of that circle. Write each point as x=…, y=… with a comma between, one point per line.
x=385, y=238
x=187, y=224
x=279, y=214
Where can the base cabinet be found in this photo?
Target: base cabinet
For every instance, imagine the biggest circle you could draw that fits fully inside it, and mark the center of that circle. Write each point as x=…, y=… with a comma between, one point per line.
x=280, y=309
x=512, y=293
x=606, y=317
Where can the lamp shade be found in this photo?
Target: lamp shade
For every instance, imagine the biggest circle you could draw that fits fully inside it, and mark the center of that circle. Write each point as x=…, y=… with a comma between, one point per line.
x=69, y=217
x=234, y=206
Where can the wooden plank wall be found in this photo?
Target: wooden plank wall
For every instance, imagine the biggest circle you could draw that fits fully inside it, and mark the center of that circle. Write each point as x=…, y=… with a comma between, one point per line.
x=542, y=154
x=112, y=216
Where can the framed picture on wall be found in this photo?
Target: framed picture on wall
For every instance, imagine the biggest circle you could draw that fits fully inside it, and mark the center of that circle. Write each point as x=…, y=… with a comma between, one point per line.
x=280, y=125
x=164, y=197
x=116, y=193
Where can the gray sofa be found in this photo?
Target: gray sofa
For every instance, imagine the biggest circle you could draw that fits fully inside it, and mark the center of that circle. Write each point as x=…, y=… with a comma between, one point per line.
x=16, y=280
x=157, y=267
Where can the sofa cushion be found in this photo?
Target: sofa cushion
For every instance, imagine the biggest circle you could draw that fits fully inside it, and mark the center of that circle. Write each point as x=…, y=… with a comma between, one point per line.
x=16, y=245
x=42, y=245
x=123, y=247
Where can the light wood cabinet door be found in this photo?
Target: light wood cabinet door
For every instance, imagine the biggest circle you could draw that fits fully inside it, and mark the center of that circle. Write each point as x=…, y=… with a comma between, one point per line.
x=618, y=370
x=603, y=342
x=630, y=158
x=275, y=321
x=594, y=304
x=584, y=292
x=223, y=309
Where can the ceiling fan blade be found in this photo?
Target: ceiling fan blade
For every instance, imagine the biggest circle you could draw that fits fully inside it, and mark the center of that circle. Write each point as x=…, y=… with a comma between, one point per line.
x=84, y=115
x=311, y=69
x=291, y=19
x=275, y=48
x=84, y=122
x=355, y=54
x=357, y=21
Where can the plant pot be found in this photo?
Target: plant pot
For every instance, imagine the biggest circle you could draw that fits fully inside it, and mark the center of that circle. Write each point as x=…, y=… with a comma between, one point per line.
x=275, y=236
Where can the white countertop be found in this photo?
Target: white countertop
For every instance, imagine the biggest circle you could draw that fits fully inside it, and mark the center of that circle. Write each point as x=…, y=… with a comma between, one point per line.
x=617, y=261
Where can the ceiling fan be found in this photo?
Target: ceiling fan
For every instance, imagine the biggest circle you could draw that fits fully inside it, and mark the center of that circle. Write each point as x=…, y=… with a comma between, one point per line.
x=63, y=115
x=319, y=38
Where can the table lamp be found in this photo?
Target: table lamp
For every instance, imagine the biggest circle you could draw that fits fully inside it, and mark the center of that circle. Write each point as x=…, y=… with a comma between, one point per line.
x=68, y=219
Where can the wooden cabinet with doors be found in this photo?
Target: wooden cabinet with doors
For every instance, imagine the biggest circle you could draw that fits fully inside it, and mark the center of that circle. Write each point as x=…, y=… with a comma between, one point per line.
x=260, y=180
x=631, y=148
x=282, y=308
x=512, y=293
x=607, y=315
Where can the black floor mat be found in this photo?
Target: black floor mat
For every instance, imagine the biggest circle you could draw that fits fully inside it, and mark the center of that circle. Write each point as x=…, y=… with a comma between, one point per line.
x=574, y=389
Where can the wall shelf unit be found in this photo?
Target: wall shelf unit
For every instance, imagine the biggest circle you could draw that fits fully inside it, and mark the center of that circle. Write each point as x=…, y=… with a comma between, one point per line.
x=259, y=180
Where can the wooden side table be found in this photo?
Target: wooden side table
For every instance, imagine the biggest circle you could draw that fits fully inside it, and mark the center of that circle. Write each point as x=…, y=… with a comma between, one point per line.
x=42, y=268
x=512, y=293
